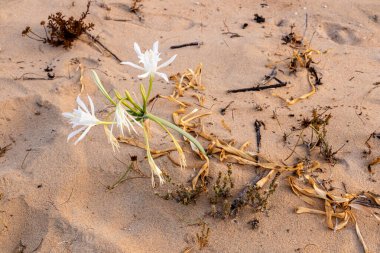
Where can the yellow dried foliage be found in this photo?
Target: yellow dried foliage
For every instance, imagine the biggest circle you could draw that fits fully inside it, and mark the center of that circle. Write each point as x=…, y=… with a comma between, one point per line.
x=338, y=209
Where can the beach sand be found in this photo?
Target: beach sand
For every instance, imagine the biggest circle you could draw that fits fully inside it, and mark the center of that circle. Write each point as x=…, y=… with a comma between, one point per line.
x=53, y=193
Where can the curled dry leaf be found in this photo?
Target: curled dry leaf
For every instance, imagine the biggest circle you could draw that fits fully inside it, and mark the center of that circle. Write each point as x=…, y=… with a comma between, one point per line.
x=190, y=79
x=303, y=97
x=336, y=208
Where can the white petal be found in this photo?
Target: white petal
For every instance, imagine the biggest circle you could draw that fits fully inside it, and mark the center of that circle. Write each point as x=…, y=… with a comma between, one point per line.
x=132, y=65
x=82, y=135
x=68, y=115
x=137, y=49
x=167, y=63
x=155, y=47
x=145, y=75
x=153, y=183
x=91, y=105
x=72, y=134
x=114, y=119
x=163, y=76
x=82, y=105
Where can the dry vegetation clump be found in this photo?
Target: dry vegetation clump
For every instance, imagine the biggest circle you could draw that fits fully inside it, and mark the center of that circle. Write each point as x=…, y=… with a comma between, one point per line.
x=61, y=31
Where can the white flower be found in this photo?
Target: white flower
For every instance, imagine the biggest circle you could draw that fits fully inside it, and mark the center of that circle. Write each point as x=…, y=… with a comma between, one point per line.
x=150, y=61
x=155, y=170
x=123, y=119
x=111, y=139
x=82, y=117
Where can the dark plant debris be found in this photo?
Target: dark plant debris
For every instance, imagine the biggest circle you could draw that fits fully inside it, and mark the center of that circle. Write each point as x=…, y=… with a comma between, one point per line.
x=220, y=204
x=372, y=163
x=223, y=110
x=317, y=77
x=95, y=39
x=4, y=149
x=61, y=31
x=254, y=223
x=185, y=194
x=232, y=34
x=203, y=236
x=259, y=19
x=197, y=44
x=136, y=9
x=245, y=25
x=258, y=124
x=20, y=248
x=367, y=143
x=292, y=38
x=260, y=86
x=318, y=137
x=253, y=196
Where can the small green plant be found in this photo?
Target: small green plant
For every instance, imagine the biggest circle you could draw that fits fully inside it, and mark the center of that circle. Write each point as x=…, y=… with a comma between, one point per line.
x=220, y=205
x=128, y=112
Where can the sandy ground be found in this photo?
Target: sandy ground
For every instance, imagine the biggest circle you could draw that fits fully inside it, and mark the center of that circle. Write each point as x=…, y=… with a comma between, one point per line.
x=53, y=193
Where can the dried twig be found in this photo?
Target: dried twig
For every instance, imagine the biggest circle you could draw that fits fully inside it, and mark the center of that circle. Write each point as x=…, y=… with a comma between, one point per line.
x=259, y=86
x=198, y=44
x=258, y=124
x=103, y=46
x=223, y=110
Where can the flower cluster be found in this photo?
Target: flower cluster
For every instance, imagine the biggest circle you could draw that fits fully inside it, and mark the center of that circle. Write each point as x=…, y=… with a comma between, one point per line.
x=128, y=112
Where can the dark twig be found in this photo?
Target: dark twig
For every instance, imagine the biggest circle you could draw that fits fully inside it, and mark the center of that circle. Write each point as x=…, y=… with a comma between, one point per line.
x=258, y=124
x=259, y=88
x=198, y=44
x=266, y=79
x=223, y=110
x=103, y=46
x=232, y=34
x=23, y=161
x=314, y=74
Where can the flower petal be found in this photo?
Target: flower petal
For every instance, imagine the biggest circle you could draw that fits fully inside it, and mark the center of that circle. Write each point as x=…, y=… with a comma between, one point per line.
x=82, y=105
x=163, y=76
x=145, y=75
x=167, y=63
x=68, y=115
x=132, y=65
x=91, y=105
x=73, y=133
x=155, y=47
x=82, y=135
x=137, y=49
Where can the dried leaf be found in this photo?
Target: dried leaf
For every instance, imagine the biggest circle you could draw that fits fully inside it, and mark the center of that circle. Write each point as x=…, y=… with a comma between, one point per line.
x=225, y=126
x=81, y=67
x=360, y=236
x=188, y=79
x=303, y=97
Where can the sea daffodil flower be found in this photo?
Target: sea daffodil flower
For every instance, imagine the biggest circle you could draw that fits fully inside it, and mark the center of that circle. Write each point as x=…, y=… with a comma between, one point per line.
x=82, y=117
x=150, y=61
x=123, y=119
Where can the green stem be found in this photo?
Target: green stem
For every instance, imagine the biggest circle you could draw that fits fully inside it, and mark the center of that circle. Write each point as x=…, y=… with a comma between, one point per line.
x=130, y=99
x=179, y=130
x=150, y=87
